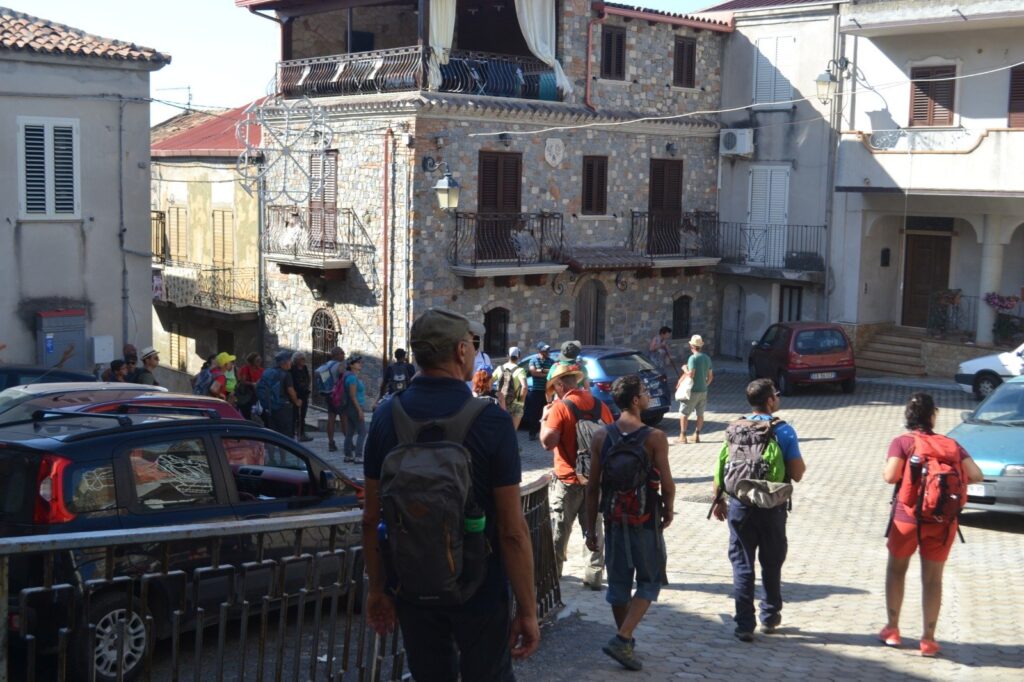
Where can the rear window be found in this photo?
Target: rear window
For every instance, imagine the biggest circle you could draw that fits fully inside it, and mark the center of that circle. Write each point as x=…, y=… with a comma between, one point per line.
x=819, y=342
x=91, y=488
x=18, y=405
x=621, y=365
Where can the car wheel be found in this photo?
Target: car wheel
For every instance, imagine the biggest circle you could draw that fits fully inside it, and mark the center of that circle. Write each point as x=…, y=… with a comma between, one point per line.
x=783, y=384
x=984, y=384
x=848, y=385
x=751, y=370
x=107, y=612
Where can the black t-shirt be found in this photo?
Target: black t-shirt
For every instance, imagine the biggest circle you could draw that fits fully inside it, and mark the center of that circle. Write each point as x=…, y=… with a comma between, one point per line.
x=398, y=375
x=491, y=442
x=301, y=380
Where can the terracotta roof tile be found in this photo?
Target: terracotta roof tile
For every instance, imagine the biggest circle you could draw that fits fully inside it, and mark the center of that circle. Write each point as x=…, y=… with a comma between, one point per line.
x=738, y=5
x=19, y=31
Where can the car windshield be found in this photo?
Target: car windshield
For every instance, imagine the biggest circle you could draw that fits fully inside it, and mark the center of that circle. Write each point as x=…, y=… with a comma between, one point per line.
x=1005, y=406
x=11, y=397
x=17, y=405
x=621, y=365
x=819, y=342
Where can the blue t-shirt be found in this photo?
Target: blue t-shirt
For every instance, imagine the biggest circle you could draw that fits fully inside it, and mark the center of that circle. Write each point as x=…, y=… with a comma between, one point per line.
x=360, y=388
x=491, y=442
x=544, y=365
x=786, y=436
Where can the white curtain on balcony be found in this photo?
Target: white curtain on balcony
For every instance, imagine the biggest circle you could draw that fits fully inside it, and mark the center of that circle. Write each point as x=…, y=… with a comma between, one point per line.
x=537, y=21
x=442, y=30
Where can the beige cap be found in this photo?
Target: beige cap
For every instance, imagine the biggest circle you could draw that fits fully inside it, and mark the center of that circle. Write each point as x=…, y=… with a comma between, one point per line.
x=696, y=341
x=438, y=329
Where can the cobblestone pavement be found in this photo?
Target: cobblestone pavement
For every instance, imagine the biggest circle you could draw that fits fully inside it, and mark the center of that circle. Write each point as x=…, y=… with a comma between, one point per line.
x=833, y=580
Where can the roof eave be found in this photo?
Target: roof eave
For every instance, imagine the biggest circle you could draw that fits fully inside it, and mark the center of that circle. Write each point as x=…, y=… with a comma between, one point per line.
x=707, y=25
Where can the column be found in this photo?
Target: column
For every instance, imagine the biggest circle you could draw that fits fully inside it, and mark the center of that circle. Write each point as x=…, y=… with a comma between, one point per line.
x=991, y=277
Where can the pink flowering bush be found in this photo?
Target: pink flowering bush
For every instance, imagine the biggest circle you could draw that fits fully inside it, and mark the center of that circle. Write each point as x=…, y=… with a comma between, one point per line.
x=1000, y=302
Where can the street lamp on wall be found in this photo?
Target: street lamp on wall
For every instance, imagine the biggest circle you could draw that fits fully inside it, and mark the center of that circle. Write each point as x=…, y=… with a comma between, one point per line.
x=828, y=82
x=447, y=189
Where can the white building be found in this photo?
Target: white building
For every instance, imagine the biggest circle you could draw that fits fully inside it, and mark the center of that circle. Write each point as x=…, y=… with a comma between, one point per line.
x=74, y=191
x=929, y=197
x=777, y=149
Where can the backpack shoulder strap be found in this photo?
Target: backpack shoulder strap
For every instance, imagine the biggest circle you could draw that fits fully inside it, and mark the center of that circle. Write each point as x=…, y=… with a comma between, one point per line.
x=455, y=427
x=574, y=408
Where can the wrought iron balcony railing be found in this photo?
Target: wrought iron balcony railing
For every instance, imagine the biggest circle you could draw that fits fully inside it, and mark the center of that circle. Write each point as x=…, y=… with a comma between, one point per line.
x=671, y=235
x=316, y=237
x=402, y=70
x=950, y=314
x=220, y=288
x=515, y=239
x=788, y=247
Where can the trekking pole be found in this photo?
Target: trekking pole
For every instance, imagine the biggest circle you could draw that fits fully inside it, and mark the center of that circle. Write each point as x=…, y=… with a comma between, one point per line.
x=892, y=509
x=718, y=496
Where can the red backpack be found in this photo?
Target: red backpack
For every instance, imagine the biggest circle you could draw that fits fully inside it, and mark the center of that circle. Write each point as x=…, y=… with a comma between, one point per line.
x=934, y=486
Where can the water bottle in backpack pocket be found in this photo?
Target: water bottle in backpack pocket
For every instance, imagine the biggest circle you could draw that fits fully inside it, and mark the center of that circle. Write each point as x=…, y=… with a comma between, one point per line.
x=933, y=486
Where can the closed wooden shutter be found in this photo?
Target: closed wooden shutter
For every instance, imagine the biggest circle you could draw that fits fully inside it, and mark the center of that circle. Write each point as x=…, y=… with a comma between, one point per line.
x=323, y=200
x=500, y=182
x=177, y=233
x=613, y=52
x=931, y=100
x=595, y=185
x=223, y=238
x=1016, y=108
x=665, y=205
x=684, y=73
x=767, y=232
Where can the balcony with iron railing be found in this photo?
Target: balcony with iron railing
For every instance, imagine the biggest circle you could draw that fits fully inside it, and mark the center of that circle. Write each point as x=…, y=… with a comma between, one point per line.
x=672, y=240
x=767, y=250
x=158, y=235
x=403, y=70
x=220, y=289
x=506, y=244
x=300, y=239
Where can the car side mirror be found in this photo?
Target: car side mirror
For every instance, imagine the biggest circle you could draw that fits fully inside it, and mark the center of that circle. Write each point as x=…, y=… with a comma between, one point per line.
x=966, y=415
x=329, y=482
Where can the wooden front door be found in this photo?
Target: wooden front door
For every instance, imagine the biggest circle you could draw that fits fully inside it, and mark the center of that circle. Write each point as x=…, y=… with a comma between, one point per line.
x=665, y=204
x=926, y=270
x=590, y=309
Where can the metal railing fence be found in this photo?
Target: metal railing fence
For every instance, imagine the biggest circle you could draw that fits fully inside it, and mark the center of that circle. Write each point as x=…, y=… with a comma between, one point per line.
x=673, y=235
x=506, y=239
x=790, y=247
x=952, y=314
x=310, y=235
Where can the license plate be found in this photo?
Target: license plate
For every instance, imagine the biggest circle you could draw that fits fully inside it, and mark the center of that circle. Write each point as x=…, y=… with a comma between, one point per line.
x=976, y=490
x=823, y=375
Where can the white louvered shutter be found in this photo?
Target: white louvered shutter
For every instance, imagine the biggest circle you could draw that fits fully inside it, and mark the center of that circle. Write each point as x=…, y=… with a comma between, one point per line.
x=764, y=71
x=64, y=170
x=34, y=200
x=768, y=216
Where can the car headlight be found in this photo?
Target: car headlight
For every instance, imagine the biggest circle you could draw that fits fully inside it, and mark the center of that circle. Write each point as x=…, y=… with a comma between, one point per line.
x=1013, y=470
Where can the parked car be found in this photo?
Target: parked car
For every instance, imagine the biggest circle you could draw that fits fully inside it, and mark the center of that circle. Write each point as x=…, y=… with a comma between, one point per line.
x=64, y=472
x=797, y=353
x=992, y=434
x=19, y=375
x=983, y=375
x=605, y=364
x=161, y=402
x=19, y=402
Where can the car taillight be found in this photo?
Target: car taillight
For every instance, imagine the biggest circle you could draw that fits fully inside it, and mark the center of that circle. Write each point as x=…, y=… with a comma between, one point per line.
x=795, y=360
x=14, y=622
x=50, y=507
x=605, y=386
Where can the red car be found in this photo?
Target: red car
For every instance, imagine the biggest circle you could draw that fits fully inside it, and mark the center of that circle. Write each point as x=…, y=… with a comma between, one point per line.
x=794, y=353
x=144, y=400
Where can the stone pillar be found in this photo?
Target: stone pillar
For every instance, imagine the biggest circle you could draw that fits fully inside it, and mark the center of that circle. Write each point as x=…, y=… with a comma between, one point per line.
x=991, y=277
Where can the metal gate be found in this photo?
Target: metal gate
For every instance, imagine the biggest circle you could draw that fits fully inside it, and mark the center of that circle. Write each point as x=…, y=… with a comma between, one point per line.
x=325, y=329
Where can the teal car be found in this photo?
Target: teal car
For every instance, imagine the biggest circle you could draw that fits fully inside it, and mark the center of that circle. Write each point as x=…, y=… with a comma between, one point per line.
x=992, y=434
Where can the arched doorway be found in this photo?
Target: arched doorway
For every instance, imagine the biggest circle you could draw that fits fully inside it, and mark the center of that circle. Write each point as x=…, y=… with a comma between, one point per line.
x=590, y=313
x=324, y=327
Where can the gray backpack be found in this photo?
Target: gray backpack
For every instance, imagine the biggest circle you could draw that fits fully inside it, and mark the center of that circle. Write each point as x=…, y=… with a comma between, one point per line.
x=432, y=533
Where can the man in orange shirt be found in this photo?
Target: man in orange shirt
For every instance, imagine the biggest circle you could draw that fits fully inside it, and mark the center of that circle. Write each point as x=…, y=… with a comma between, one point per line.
x=568, y=493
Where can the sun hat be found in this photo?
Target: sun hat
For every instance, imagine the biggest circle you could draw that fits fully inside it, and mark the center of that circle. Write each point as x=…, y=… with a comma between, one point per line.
x=562, y=371
x=224, y=358
x=696, y=341
x=282, y=356
x=147, y=351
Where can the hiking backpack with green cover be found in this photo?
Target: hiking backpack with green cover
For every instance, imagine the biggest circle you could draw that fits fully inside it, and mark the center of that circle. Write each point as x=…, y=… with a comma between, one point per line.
x=750, y=465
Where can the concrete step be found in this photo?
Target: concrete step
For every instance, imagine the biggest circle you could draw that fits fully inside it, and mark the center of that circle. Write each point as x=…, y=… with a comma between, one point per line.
x=894, y=349
x=901, y=368
x=894, y=358
x=895, y=340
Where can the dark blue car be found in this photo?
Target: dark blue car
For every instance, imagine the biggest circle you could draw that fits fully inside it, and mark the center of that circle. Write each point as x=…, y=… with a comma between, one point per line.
x=605, y=364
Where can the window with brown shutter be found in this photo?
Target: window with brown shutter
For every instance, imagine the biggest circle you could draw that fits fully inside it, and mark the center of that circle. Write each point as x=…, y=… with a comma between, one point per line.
x=323, y=200
x=500, y=182
x=613, y=53
x=931, y=98
x=665, y=203
x=1016, y=108
x=684, y=70
x=595, y=185
x=177, y=233
x=223, y=238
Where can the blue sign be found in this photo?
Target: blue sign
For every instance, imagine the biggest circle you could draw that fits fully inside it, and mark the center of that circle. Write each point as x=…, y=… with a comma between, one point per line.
x=49, y=343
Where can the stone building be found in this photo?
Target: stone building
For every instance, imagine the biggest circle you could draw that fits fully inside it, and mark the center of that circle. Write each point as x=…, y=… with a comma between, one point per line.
x=586, y=173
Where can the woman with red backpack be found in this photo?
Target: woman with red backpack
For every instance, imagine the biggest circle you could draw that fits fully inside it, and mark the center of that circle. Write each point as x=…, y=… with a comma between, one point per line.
x=930, y=473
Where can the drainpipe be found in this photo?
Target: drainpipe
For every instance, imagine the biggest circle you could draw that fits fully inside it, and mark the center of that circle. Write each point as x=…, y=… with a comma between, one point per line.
x=590, y=53
x=835, y=120
x=389, y=138
x=121, y=229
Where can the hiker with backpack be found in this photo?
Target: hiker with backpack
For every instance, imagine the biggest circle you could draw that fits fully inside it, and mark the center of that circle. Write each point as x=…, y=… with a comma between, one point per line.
x=568, y=427
x=277, y=395
x=510, y=380
x=325, y=378
x=631, y=483
x=757, y=465
x=349, y=397
x=249, y=375
x=397, y=375
x=448, y=591
x=930, y=474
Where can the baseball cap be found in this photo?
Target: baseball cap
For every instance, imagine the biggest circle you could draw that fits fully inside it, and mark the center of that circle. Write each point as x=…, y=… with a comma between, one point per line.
x=543, y=347
x=514, y=352
x=438, y=329
x=146, y=352
x=571, y=349
x=282, y=356
x=224, y=358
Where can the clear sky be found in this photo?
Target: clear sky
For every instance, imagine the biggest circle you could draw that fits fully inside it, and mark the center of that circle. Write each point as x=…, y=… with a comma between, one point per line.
x=225, y=54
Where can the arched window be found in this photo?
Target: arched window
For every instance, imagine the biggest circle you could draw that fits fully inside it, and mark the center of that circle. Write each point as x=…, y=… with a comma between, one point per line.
x=681, y=317
x=564, y=319
x=495, y=341
x=325, y=337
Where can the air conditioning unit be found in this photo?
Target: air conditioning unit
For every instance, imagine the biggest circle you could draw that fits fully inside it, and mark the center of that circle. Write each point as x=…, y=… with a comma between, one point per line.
x=736, y=142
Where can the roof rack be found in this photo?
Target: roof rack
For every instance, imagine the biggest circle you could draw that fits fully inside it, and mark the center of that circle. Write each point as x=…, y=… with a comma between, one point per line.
x=127, y=408
x=40, y=415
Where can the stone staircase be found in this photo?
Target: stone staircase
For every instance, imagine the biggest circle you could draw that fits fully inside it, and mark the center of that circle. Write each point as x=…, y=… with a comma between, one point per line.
x=893, y=351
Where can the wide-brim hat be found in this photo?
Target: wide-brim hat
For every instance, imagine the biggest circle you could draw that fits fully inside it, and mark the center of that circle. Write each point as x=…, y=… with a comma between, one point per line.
x=146, y=352
x=696, y=341
x=562, y=371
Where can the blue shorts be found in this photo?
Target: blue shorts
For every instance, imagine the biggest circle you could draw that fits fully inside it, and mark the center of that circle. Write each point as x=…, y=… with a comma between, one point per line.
x=644, y=560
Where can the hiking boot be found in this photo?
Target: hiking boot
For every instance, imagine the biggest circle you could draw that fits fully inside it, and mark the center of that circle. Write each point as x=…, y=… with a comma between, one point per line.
x=768, y=627
x=890, y=636
x=743, y=635
x=622, y=651
x=350, y=459
x=331, y=446
x=929, y=647
x=304, y=438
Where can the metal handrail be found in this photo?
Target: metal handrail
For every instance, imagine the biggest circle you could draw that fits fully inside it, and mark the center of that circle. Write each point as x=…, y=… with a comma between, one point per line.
x=770, y=245
x=310, y=234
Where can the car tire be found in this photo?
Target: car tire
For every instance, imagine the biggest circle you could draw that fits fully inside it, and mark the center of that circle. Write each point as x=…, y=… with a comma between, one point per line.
x=848, y=385
x=783, y=384
x=984, y=384
x=751, y=370
x=106, y=611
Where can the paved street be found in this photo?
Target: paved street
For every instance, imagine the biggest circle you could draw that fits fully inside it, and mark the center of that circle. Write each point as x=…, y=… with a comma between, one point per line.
x=833, y=580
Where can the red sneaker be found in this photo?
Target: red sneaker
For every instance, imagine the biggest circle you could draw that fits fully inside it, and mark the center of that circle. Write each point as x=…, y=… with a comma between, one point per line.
x=890, y=636
x=929, y=647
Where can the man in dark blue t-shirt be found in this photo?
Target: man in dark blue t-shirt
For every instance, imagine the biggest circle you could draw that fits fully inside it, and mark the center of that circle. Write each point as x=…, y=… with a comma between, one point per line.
x=442, y=343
